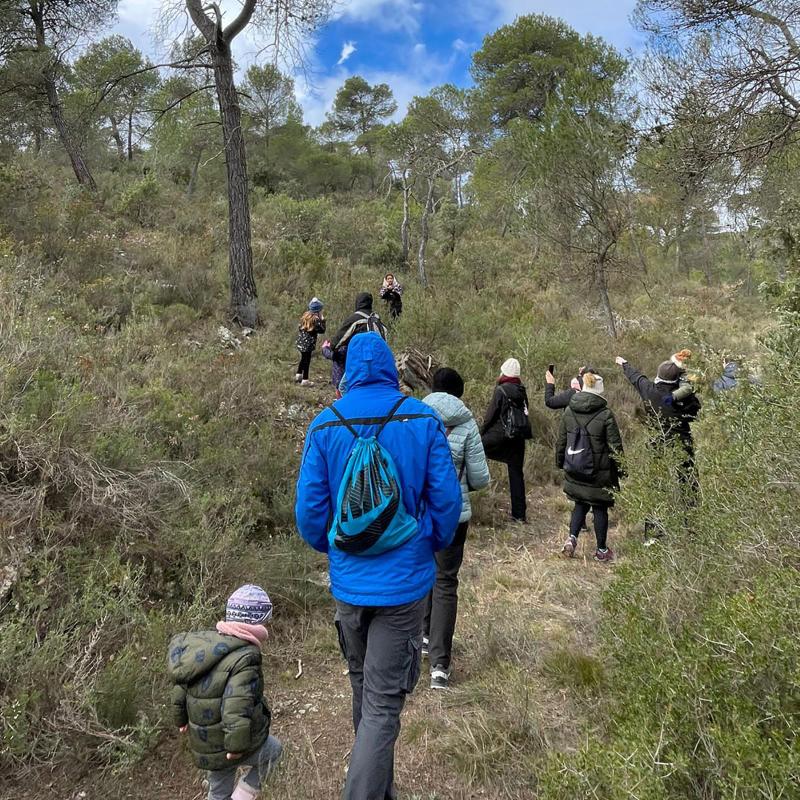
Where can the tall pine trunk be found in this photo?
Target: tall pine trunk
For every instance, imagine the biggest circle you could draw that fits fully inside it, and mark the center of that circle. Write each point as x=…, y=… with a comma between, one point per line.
x=68, y=141
x=244, y=297
x=404, y=227
x=601, y=279
x=425, y=232
x=116, y=136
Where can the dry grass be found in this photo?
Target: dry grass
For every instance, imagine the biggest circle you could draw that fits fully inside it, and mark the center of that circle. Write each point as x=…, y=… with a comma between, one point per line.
x=523, y=661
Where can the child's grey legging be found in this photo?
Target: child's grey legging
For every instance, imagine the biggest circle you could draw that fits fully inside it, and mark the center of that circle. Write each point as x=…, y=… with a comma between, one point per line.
x=600, y=513
x=222, y=782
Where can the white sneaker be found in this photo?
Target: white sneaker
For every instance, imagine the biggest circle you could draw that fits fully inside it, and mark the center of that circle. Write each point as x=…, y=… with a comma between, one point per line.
x=306, y=383
x=298, y=377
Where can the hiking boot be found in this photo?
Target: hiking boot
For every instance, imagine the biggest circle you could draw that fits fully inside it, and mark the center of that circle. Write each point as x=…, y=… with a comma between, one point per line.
x=425, y=642
x=568, y=550
x=605, y=556
x=440, y=678
x=306, y=383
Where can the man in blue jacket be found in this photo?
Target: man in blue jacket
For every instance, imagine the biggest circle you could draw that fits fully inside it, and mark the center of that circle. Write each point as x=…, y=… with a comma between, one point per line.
x=380, y=599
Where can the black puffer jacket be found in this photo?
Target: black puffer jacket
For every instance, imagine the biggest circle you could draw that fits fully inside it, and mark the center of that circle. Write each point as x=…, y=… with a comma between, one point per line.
x=672, y=420
x=362, y=320
x=592, y=411
x=495, y=444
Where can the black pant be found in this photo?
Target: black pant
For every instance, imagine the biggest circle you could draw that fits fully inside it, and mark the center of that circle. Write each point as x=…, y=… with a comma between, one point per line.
x=442, y=606
x=600, y=514
x=382, y=648
x=516, y=483
x=305, y=364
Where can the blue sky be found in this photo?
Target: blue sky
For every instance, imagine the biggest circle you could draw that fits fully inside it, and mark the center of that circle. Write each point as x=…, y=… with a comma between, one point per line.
x=412, y=45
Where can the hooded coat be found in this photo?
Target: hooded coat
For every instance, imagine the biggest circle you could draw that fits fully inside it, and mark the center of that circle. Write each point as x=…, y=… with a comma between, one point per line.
x=219, y=692
x=354, y=325
x=466, y=448
x=592, y=411
x=416, y=440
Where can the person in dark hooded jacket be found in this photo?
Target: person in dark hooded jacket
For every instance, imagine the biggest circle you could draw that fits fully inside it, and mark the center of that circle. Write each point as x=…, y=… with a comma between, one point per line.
x=498, y=446
x=362, y=320
x=670, y=420
x=589, y=409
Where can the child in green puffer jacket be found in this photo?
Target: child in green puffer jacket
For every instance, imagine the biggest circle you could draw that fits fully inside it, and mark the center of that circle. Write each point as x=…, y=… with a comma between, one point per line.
x=218, y=696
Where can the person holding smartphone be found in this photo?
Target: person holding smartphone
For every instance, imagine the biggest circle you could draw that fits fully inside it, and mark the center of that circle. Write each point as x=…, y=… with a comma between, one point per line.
x=561, y=400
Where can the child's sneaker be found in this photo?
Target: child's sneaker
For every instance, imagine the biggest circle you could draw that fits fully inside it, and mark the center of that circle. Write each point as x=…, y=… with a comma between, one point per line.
x=425, y=643
x=298, y=377
x=604, y=556
x=306, y=383
x=440, y=678
x=568, y=550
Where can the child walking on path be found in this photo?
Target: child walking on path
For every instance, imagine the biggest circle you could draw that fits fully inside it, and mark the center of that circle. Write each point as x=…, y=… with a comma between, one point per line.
x=218, y=697
x=589, y=444
x=312, y=324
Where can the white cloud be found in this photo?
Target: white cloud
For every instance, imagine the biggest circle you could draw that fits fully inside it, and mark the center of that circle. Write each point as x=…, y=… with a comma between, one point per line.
x=386, y=14
x=607, y=18
x=348, y=48
x=416, y=77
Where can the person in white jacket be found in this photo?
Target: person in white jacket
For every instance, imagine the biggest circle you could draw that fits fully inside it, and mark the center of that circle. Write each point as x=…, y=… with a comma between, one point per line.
x=464, y=439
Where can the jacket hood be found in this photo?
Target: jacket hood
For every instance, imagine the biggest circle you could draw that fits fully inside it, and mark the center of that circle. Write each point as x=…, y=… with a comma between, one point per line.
x=193, y=654
x=452, y=410
x=364, y=301
x=587, y=403
x=370, y=362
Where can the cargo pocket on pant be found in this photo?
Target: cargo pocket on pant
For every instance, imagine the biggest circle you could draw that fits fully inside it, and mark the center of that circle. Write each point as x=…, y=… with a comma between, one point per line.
x=414, y=666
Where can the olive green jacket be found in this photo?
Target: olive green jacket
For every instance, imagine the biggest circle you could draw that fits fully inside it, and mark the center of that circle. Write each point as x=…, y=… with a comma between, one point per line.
x=219, y=693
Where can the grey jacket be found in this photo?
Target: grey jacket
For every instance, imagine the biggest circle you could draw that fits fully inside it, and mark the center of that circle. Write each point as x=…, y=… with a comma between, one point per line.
x=464, y=439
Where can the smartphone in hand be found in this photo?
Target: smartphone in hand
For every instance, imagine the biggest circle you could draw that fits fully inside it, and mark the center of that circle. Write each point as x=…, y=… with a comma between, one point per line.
x=551, y=368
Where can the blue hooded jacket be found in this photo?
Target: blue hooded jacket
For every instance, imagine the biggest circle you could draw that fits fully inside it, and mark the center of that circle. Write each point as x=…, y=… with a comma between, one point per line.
x=417, y=442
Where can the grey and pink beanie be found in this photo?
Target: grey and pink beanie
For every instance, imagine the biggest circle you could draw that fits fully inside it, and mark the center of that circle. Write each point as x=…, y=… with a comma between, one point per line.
x=249, y=604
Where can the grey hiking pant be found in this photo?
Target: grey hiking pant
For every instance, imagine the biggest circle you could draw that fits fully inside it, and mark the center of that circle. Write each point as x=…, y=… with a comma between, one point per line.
x=382, y=649
x=221, y=782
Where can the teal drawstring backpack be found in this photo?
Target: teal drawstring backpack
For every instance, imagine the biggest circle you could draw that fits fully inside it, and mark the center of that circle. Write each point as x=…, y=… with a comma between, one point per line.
x=370, y=516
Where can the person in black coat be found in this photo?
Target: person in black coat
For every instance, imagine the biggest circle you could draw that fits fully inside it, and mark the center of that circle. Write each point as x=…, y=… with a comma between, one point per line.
x=670, y=419
x=561, y=400
x=498, y=444
x=589, y=409
x=362, y=320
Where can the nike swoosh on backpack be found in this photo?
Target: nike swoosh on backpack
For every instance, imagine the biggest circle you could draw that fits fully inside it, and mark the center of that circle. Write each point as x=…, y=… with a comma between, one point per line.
x=571, y=452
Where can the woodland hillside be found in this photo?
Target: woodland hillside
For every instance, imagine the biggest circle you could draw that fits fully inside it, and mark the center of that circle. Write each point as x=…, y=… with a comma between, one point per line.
x=162, y=229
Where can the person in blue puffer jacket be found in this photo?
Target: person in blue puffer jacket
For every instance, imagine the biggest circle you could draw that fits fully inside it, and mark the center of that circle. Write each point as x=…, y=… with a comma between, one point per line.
x=473, y=471
x=380, y=599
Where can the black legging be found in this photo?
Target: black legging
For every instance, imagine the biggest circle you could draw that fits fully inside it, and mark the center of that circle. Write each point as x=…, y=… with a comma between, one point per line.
x=305, y=364
x=600, y=513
